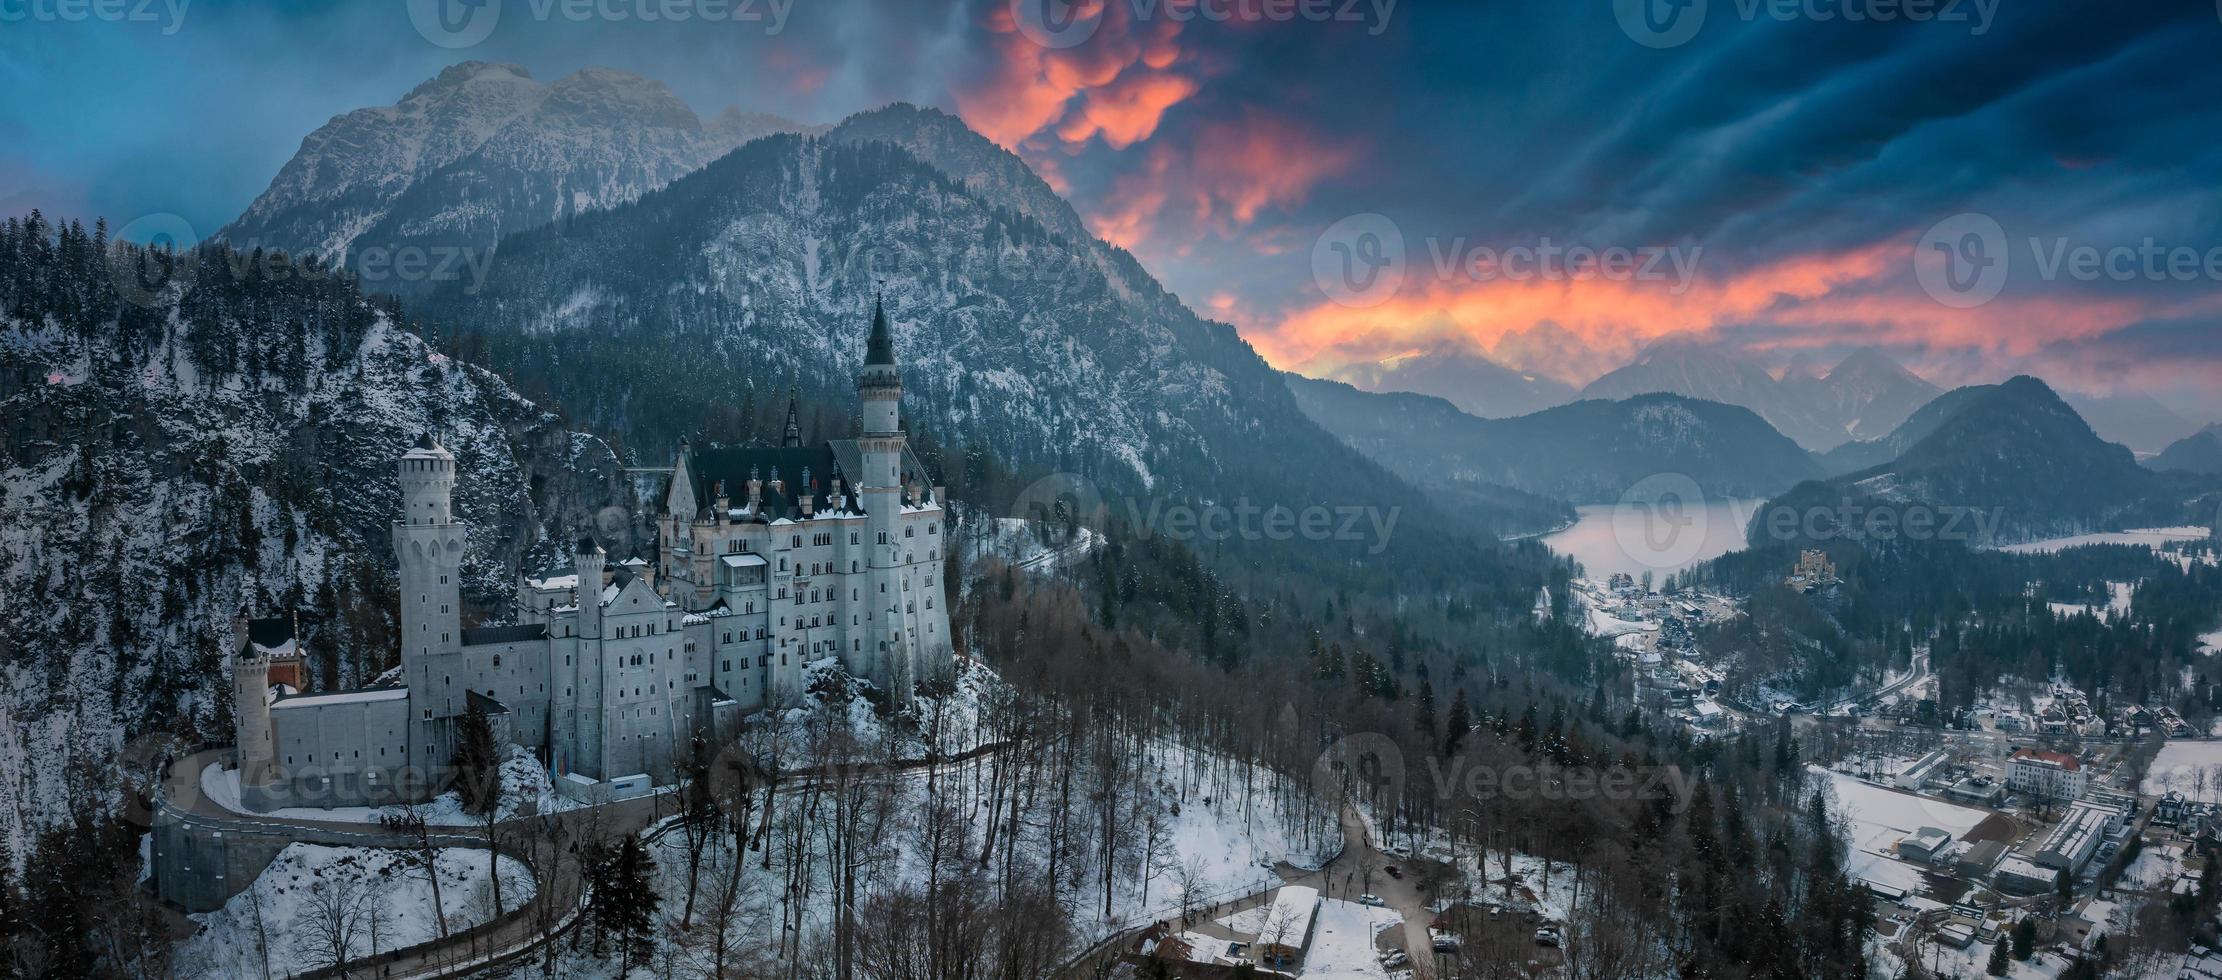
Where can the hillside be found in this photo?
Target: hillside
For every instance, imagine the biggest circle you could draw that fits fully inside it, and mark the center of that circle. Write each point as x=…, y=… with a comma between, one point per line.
x=228, y=446
x=2013, y=454
x=657, y=318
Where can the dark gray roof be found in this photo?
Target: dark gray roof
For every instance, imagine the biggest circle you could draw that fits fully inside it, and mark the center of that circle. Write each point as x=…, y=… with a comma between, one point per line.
x=879, y=349
x=485, y=635
x=272, y=632
x=484, y=702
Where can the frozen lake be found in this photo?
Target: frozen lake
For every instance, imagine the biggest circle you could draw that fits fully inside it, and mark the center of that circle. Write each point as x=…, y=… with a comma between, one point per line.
x=1661, y=539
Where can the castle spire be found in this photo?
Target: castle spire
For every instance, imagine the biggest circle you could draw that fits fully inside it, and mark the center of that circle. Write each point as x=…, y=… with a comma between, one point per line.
x=791, y=437
x=879, y=348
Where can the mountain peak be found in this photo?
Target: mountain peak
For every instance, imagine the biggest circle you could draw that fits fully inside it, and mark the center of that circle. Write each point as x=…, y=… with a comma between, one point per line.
x=463, y=73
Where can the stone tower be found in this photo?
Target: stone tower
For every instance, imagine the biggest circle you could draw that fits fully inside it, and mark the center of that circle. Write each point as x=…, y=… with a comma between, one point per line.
x=879, y=384
x=429, y=545
x=578, y=744
x=250, y=686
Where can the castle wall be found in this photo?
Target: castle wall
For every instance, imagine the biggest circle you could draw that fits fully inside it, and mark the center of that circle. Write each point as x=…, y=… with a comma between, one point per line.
x=345, y=749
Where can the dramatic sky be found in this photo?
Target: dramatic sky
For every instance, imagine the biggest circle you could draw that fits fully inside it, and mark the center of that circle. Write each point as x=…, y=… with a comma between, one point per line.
x=1770, y=172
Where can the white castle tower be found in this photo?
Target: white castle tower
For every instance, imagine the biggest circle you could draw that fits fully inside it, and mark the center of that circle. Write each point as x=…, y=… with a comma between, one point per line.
x=879, y=385
x=428, y=543
x=250, y=680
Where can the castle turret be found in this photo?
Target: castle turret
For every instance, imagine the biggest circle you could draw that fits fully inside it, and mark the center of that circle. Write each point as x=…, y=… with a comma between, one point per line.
x=590, y=558
x=791, y=435
x=880, y=488
x=428, y=544
x=258, y=757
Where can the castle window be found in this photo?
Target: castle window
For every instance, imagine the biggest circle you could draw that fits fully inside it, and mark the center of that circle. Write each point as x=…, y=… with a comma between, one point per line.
x=497, y=664
x=932, y=528
x=852, y=537
x=883, y=537
x=910, y=532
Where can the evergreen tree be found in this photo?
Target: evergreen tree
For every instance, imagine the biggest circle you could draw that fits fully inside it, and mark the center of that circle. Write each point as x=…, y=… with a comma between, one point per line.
x=477, y=764
x=1454, y=730
x=1998, y=965
x=2025, y=938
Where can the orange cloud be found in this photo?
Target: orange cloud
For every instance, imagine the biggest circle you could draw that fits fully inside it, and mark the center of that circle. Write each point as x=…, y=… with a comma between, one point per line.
x=1857, y=297
x=1228, y=173
x=1115, y=83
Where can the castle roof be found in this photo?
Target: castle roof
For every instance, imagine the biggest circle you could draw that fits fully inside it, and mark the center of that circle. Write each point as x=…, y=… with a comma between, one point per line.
x=484, y=635
x=824, y=463
x=879, y=348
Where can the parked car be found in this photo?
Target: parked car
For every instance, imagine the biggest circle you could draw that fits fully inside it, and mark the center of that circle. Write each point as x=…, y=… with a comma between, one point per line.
x=1373, y=900
x=1548, y=936
x=1396, y=960
x=1394, y=871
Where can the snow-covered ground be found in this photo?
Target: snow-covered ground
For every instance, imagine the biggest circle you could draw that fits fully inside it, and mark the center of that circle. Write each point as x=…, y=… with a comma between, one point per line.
x=522, y=781
x=2191, y=768
x=2210, y=643
x=2117, y=605
x=314, y=900
x=1877, y=817
x=2154, y=537
x=1023, y=544
x=1343, y=942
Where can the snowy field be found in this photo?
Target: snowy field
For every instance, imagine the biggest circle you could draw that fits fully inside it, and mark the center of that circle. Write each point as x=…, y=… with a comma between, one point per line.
x=522, y=780
x=314, y=900
x=2154, y=537
x=2211, y=643
x=1343, y=942
x=2191, y=768
x=1877, y=817
x=2118, y=605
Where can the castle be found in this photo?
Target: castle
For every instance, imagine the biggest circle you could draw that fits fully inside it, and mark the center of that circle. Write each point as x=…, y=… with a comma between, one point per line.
x=770, y=558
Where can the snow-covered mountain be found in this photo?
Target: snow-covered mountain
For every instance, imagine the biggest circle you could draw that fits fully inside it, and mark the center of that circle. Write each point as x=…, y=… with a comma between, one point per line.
x=1052, y=352
x=1864, y=397
x=229, y=446
x=2134, y=419
x=478, y=152
x=1477, y=385
x=1590, y=451
x=1866, y=393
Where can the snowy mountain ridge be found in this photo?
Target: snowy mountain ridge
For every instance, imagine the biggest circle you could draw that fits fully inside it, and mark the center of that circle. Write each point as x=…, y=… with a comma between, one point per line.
x=479, y=151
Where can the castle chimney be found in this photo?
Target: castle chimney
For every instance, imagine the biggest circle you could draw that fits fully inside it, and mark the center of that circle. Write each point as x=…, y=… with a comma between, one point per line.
x=725, y=504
